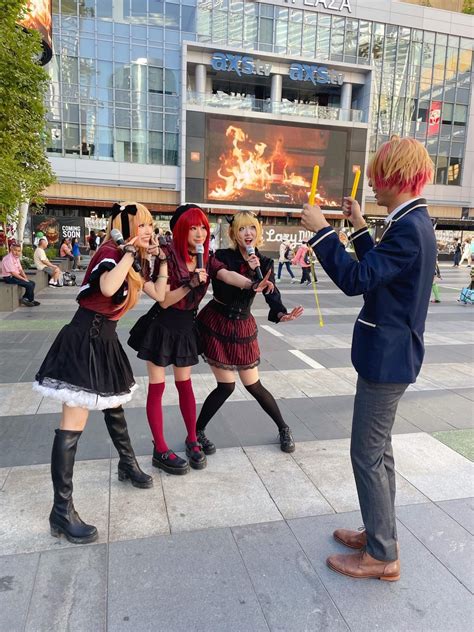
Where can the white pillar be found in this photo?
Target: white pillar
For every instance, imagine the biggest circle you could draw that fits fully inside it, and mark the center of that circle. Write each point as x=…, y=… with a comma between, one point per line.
x=200, y=79
x=276, y=87
x=346, y=101
x=276, y=90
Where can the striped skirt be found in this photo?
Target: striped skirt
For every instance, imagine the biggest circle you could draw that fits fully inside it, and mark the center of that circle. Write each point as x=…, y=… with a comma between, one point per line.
x=228, y=339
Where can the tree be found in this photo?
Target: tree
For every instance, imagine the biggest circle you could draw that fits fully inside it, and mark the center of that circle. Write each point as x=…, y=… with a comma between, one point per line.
x=24, y=167
x=468, y=7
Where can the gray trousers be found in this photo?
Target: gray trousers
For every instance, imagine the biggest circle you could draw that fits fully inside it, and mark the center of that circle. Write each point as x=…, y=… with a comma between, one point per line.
x=375, y=407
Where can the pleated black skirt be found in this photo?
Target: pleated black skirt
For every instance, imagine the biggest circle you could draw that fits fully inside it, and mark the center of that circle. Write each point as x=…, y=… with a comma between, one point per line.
x=166, y=336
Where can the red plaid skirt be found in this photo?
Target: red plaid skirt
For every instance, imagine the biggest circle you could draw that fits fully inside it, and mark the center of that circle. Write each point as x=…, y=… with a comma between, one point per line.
x=228, y=341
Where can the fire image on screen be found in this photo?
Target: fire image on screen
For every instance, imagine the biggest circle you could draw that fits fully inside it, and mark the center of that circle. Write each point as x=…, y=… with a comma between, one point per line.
x=269, y=164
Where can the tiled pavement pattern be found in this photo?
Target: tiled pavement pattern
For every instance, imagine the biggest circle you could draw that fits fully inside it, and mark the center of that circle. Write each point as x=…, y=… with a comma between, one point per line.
x=241, y=546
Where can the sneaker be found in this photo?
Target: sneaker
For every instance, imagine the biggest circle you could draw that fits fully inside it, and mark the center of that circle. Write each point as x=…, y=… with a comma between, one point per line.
x=293, y=280
x=169, y=462
x=36, y=303
x=277, y=280
x=196, y=456
x=287, y=443
x=207, y=446
x=53, y=284
x=27, y=303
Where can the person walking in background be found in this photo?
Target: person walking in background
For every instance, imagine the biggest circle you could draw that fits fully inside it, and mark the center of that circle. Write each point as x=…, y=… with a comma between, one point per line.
x=466, y=253
x=435, y=286
x=303, y=259
x=13, y=274
x=86, y=367
x=395, y=278
x=285, y=260
x=457, y=253
x=76, y=253
x=92, y=242
x=43, y=263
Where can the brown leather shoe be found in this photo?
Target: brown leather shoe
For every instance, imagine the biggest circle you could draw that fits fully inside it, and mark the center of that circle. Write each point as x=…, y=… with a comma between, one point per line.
x=361, y=565
x=352, y=539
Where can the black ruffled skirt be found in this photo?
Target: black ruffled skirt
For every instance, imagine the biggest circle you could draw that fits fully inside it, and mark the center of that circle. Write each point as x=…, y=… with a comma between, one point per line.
x=86, y=365
x=166, y=336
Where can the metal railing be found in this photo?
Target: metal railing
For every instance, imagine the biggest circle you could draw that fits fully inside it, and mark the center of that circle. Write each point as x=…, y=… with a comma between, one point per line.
x=284, y=107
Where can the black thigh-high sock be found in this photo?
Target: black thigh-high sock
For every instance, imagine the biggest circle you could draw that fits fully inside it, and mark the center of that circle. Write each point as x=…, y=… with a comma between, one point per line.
x=267, y=402
x=213, y=402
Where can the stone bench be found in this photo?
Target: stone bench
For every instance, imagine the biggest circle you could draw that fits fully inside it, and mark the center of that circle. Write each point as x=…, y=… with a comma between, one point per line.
x=10, y=294
x=63, y=264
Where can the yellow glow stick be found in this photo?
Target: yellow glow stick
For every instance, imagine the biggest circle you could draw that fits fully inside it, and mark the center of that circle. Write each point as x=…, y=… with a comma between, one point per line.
x=312, y=195
x=355, y=183
x=314, y=184
x=313, y=281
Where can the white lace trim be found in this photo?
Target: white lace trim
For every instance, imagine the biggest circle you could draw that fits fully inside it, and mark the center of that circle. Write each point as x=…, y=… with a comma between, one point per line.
x=83, y=399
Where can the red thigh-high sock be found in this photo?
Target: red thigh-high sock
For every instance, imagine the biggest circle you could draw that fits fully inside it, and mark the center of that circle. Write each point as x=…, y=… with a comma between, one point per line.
x=187, y=404
x=154, y=411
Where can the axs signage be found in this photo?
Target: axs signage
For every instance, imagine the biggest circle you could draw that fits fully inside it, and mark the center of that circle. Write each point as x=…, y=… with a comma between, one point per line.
x=240, y=64
x=316, y=74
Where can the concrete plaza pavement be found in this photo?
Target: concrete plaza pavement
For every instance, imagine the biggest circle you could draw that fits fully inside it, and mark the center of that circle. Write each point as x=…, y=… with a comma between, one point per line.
x=241, y=545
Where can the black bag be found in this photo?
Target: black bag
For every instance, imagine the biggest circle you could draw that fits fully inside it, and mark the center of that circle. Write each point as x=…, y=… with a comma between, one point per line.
x=69, y=279
x=288, y=254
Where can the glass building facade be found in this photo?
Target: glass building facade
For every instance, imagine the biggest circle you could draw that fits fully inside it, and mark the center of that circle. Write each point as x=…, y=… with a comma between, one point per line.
x=115, y=92
x=421, y=79
x=116, y=73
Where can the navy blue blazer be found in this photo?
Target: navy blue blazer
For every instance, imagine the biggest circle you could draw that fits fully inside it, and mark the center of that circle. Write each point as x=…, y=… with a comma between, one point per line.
x=395, y=277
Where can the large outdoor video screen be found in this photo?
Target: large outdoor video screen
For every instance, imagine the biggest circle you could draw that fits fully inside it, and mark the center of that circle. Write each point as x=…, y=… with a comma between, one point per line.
x=268, y=164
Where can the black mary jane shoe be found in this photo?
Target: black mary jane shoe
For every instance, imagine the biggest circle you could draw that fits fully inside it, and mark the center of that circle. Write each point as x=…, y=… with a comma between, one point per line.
x=176, y=465
x=197, y=458
x=287, y=443
x=206, y=444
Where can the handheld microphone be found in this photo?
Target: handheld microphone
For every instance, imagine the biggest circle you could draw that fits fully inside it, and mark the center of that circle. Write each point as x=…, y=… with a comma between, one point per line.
x=199, y=256
x=258, y=272
x=117, y=237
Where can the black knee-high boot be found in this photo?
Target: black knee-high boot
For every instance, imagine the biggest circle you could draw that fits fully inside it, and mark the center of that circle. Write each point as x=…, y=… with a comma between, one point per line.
x=64, y=519
x=128, y=467
x=213, y=402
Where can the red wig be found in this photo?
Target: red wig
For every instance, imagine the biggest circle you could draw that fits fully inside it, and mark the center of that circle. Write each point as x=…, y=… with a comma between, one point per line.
x=192, y=217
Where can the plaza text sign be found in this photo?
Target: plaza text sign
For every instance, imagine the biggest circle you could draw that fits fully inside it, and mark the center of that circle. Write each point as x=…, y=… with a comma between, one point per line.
x=316, y=74
x=240, y=64
x=331, y=5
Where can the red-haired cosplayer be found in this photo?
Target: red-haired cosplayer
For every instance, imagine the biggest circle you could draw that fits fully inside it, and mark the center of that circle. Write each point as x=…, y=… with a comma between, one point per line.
x=86, y=367
x=166, y=335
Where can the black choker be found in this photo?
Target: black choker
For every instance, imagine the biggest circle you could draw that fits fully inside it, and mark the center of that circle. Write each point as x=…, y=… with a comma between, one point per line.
x=191, y=254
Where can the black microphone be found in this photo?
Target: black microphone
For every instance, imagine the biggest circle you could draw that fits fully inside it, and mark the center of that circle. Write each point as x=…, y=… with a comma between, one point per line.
x=117, y=237
x=258, y=272
x=199, y=256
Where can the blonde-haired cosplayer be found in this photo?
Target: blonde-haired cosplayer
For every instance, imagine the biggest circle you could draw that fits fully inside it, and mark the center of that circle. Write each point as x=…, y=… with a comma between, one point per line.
x=86, y=367
x=228, y=331
x=395, y=277
x=239, y=221
x=127, y=218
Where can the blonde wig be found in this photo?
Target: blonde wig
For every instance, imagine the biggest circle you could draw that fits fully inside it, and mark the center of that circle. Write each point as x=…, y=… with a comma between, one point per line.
x=134, y=279
x=401, y=163
x=240, y=220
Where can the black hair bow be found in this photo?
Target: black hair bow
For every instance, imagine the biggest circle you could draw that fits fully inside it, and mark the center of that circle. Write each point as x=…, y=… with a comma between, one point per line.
x=124, y=210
